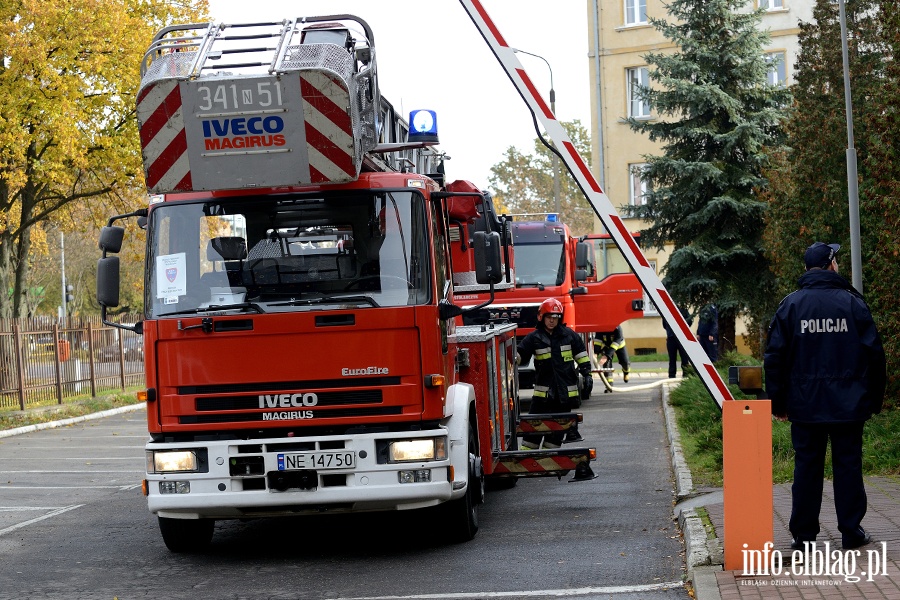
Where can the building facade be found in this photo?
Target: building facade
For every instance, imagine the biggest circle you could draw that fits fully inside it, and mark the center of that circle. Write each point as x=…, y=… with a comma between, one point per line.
x=621, y=30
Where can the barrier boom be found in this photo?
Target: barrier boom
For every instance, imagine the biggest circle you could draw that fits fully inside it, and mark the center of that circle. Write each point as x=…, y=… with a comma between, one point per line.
x=598, y=201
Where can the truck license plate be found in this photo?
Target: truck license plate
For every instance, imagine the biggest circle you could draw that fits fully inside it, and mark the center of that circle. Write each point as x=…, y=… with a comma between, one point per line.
x=316, y=460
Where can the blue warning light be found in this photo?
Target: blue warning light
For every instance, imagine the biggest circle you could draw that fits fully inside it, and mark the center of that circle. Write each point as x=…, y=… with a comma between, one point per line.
x=423, y=126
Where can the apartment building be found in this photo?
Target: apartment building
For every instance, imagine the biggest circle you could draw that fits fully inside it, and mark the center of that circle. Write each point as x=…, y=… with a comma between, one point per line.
x=620, y=29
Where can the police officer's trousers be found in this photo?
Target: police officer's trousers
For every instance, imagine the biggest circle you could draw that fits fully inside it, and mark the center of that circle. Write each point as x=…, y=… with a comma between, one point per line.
x=810, y=441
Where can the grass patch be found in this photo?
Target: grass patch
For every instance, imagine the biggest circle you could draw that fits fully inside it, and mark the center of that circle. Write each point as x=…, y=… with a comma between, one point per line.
x=699, y=422
x=78, y=407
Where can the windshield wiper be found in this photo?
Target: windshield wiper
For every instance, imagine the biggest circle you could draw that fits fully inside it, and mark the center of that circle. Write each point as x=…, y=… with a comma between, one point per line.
x=214, y=308
x=536, y=284
x=326, y=299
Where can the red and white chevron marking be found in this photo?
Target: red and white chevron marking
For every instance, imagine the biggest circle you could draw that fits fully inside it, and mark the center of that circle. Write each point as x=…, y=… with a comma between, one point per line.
x=601, y=204
x=329, y=130
x=163, y=139
x=532, y=464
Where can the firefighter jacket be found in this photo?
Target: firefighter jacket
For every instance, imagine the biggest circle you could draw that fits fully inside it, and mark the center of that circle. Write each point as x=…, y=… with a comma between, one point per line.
x=611, y=340
x=556, y=356
x=824, y=360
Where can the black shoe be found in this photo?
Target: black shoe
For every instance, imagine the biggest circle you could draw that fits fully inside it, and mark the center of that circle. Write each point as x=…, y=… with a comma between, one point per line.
x=574, y=437
x=798, y=544
x=865, y=539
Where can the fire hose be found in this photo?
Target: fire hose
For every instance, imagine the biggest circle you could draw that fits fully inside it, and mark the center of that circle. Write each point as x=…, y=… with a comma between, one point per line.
x=631, y=388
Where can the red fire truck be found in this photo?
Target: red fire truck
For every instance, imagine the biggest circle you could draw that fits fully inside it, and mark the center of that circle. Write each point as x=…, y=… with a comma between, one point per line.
x=588, y=275
x=300, y=338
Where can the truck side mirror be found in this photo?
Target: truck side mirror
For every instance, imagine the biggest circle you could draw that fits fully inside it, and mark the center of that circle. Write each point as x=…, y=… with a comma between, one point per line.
x=488, y=266
x=108, y=280
x=111, y=239
x=584, y=263
x=581, y=255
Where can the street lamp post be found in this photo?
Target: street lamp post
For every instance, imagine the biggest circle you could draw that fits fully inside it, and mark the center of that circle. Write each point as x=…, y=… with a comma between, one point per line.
x=852, y=182
x=556, y=190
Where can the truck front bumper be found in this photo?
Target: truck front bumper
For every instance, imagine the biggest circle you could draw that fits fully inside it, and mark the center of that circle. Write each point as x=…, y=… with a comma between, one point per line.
x=248, y=478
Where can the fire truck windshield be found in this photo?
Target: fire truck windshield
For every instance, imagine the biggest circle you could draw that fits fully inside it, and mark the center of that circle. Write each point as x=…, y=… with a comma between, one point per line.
x=282, y=253
x=542, y=264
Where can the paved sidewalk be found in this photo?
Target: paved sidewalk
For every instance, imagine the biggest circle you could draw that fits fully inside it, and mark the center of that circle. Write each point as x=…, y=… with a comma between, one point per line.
x=705, y=554
x=882, y=521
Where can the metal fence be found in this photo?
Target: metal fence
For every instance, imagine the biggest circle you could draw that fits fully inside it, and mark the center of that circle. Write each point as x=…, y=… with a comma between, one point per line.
x=44, y=363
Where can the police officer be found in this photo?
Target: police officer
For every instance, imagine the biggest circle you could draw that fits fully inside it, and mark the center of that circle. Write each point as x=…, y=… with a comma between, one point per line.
x=558, y=352
x=674, y=347
x=825, y=373
x=611, y=343
x=708, y=331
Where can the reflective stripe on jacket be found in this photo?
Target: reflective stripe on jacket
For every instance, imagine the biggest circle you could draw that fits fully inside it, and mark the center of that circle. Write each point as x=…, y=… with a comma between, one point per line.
x=557, y=355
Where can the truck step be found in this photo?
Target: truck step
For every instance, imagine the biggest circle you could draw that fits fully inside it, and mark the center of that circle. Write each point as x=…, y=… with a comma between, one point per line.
x=544, y=463
x=549, y=423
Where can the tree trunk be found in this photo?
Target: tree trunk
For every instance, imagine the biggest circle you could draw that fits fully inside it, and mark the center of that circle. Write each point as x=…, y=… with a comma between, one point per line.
x=20, y=297
x=6, y=269
x=727, y=341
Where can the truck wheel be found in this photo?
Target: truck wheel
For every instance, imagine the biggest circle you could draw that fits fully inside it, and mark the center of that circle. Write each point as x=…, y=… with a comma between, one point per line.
x=462, y=514
x=186, y=535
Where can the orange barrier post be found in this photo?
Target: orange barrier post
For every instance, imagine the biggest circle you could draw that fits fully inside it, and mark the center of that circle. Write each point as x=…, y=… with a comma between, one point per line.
x=747, y=473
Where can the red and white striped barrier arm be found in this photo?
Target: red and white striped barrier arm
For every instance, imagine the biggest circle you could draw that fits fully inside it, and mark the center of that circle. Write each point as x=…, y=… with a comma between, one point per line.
x=598, y=200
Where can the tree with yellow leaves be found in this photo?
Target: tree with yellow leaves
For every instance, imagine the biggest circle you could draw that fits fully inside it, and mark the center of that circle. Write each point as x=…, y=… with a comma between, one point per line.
x=68, y=133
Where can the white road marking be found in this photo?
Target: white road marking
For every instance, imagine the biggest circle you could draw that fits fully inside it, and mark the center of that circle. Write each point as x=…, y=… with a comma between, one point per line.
x=81, y=458
x=18, y=508
x=41, y=518
x=67, y=471
x=566, y=593
x=130, y=486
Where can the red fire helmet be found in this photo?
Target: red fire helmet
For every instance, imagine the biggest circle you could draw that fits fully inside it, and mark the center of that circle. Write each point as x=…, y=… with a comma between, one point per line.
x=550, y=306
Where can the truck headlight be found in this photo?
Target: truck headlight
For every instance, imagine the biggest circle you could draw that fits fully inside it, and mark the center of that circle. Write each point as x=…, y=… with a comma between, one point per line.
x=172, y=461
x=418, y=450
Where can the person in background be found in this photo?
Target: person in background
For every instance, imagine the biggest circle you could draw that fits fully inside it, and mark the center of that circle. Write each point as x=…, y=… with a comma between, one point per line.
x=674, y=347
x=559, y=356
x=825, y=373
x=708, y=331
x=609, y=344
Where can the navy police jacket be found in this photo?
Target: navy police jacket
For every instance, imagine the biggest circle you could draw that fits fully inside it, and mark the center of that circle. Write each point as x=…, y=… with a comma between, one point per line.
x=556, y=356
x=824, y=360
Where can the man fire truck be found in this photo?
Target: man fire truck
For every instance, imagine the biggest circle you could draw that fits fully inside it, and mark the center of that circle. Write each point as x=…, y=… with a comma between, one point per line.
x=301, y=349
x=588, y=275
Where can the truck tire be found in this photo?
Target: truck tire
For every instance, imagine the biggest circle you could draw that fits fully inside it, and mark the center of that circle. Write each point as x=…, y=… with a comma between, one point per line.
x=186, y=535
x=461, y=516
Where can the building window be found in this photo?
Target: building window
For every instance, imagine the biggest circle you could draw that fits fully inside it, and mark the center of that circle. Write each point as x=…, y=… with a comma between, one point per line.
x=639, y=187
x=635, y=12
x=777, y=73
x=637, y=107
x=771, y=4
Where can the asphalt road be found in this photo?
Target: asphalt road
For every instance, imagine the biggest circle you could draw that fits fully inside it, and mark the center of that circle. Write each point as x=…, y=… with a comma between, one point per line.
x=73, y=524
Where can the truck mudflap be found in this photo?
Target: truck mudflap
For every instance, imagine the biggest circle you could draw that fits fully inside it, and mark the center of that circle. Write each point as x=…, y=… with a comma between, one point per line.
x=545, y=463
x=546, y=424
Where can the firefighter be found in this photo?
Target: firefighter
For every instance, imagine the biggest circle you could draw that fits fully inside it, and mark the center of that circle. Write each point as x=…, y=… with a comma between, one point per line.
x=608, y=344
x=558, y=352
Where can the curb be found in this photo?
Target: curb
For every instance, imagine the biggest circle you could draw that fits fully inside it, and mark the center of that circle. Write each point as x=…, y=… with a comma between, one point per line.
x=63, y=422
x=698, y=558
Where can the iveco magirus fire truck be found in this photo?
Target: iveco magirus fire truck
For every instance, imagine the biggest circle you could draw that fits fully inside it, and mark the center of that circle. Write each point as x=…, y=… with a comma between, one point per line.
x=301, y=348
x=588, y=275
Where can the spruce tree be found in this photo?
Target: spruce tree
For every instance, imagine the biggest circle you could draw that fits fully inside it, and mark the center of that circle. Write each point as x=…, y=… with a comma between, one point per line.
x=809, y=202
x=715, y=115
x=808, y=191
x=880, y=201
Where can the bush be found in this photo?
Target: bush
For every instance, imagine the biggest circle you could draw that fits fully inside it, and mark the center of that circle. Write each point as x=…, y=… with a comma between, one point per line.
x=699, y=421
